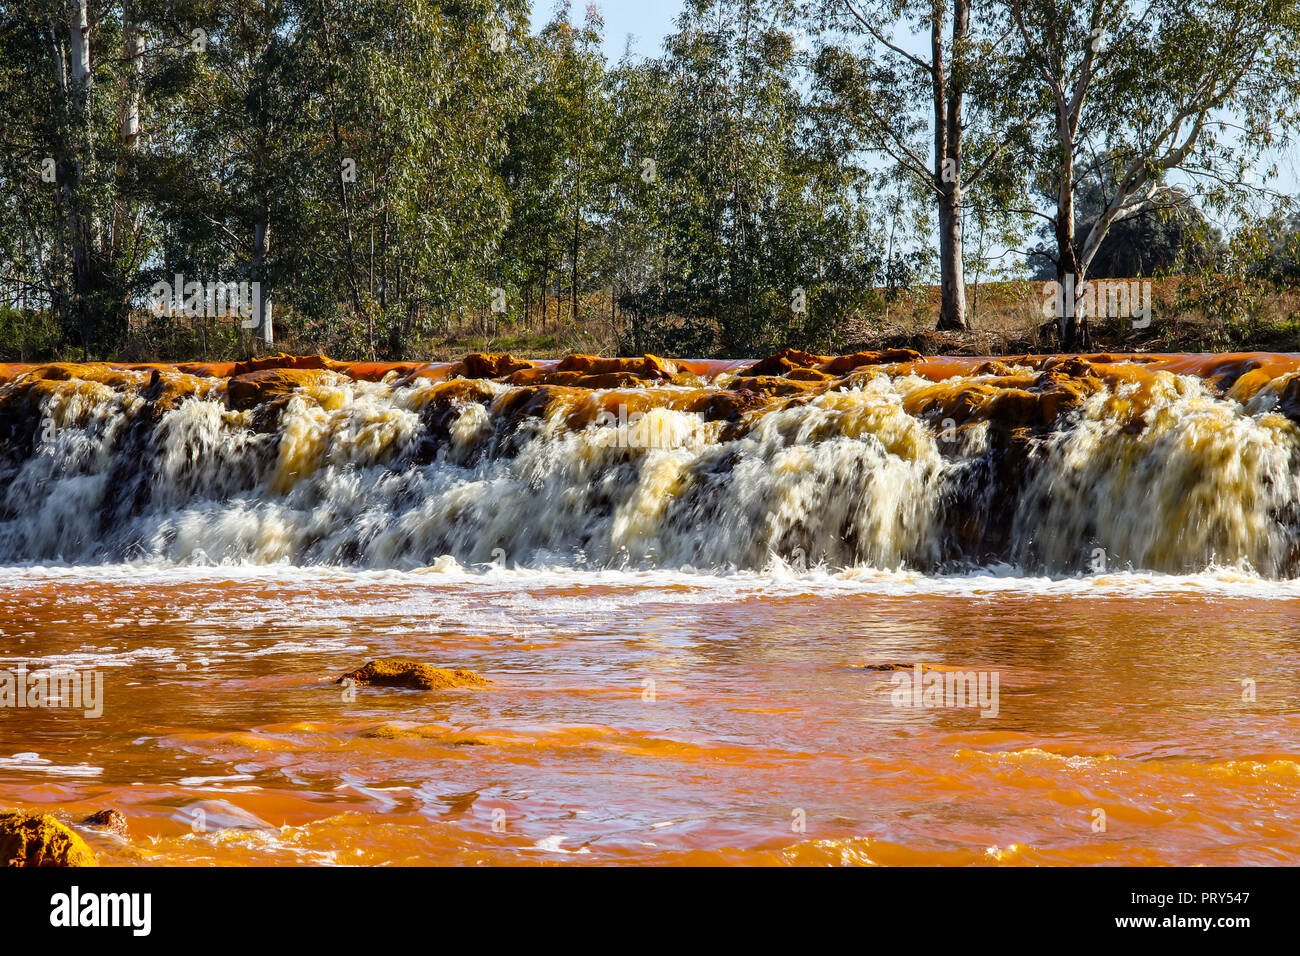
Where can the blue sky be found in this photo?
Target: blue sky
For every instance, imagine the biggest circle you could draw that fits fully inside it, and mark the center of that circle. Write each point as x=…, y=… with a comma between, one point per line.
x=648, y=22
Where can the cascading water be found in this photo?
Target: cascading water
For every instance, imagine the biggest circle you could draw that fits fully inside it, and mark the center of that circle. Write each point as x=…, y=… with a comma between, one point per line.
x=882, y=460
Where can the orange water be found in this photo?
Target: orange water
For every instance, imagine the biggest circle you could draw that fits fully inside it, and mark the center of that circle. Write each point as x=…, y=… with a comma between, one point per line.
x=1121, y=695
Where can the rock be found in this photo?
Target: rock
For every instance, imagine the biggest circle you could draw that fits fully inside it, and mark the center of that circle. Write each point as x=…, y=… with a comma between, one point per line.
x=286, y=361
x=808, y=375
x=109, y=819
x=437, y=735
x=1286, y=391
x=726, y=406
x=254, y=388
x=782, y=362
x=536, y=402
x=775, y=385
x=844, y=364
x=594, y=372
x=37, y=839
x=100, y=372
x=394, y=672
x=1011, y=401
x=647, y=367
x=482, y=365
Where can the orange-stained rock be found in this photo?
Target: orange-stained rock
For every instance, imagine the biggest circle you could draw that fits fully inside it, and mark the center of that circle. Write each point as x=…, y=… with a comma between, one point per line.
x=602, y=380
x=375, y=371
x=287, y=362
x=167, y=388
x=847, y=363
x=1247, y=386
x=37, y=839
x=573, y=378
x=109, y=819
x=1287, y=390
x=394, y=672
x=777, y=385
x=254, y=388
x=481, y=365
x=459, y=391
x=1071, y=366
x=782, y=362
x=428, y=372
x=1014, y=392
x=727, y=406
x=1010, y=401
x=440, y=407
x=207, y=369
x=646, y=367
x=11, y=370
x=808, y=375
x=438, y=735
x=541, y=375
x=100, y=372
x=538, y=401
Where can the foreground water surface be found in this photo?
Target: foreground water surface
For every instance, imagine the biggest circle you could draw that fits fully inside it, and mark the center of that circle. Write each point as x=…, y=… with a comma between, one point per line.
x=661, y=717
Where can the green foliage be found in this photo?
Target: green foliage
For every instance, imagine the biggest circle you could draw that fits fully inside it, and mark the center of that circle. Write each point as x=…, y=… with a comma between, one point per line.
x=29, y=336
x=762, y=238
x=360, y=141
x=396, y=172
x=1172, y=237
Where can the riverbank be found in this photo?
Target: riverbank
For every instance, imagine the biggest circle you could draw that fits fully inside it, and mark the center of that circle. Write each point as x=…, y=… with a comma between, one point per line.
x=1188, y=314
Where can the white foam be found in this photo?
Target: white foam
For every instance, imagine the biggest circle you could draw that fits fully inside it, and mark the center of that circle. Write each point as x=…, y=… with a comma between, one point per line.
x=848, y=479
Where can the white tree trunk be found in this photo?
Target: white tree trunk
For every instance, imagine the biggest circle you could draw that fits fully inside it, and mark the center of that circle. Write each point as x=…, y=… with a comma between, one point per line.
x=133, y=49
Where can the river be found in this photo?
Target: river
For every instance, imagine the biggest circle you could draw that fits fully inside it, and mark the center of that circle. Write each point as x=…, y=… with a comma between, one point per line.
x=694, y=653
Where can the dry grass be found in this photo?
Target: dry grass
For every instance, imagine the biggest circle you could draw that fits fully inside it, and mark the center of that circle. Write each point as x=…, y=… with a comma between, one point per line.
x=1189, y=314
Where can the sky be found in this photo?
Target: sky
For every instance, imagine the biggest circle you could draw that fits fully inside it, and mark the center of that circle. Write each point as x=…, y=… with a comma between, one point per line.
x=648, y=22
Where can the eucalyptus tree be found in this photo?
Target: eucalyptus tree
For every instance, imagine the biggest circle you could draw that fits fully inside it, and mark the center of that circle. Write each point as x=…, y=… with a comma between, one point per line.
x=77, y=80
x=556, y=162
x=1175, y=236
x=752, y=222
x=533, y=170
x=582, y=92
x=346, y=155
x=729, y=137
x=227, y=172
x=1137, y=93
x=633, y=252
x=919, y=78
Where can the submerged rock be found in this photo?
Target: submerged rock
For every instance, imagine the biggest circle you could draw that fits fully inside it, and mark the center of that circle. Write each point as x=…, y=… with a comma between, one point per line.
x=37, y=839
x=438, y=735
x=393, y=672
x=109, y=819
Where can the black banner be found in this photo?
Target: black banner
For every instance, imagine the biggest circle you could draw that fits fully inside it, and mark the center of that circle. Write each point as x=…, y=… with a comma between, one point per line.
x=336, y=906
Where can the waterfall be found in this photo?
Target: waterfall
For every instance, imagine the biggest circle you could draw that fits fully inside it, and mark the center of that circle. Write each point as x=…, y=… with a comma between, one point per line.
x=1041, y=464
